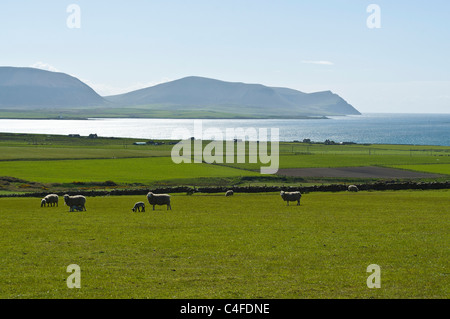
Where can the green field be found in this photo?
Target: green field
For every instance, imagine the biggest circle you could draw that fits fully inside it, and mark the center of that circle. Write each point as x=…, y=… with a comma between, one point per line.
x=245, y=246
x=139, y=170
x=436, y=168
x=212, y=246
x=53, y=159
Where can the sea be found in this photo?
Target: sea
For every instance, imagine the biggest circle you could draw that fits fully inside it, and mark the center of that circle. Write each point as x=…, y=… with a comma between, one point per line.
x=374, y=128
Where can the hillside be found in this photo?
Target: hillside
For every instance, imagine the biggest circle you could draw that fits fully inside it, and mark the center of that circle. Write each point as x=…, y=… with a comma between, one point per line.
x=34, y=88
x=197, y=93
x=35, y=93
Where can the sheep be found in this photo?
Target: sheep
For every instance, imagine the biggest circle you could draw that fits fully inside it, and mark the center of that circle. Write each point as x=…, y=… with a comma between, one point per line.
x=353, y=188
x=43, y=202
x=138, y=206
x=291, y=197
x=229, y=193
x=159, y=199
x=51, y=200
x=77, y=200
x=191, y=191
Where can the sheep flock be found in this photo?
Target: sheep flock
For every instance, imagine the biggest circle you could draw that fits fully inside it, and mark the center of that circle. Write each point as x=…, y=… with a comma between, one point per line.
x=78, y=202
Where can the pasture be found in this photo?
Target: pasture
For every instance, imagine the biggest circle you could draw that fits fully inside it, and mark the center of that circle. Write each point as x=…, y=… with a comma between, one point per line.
x=244, y=246
x=42, y=161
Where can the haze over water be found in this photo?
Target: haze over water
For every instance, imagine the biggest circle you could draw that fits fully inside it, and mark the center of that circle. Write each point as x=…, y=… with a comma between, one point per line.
x=415, y=129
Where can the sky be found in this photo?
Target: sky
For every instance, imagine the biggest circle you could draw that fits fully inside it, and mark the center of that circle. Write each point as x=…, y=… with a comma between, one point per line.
x=389, y=58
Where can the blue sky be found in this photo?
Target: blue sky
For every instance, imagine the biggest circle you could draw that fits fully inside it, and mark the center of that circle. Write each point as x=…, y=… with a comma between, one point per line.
x=402, y=67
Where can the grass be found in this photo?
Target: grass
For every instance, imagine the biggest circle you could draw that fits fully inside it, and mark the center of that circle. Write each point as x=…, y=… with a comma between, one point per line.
x=436, y=168
x=246, y=246
x=55, y=159
x=135, y=170
x=149, y=111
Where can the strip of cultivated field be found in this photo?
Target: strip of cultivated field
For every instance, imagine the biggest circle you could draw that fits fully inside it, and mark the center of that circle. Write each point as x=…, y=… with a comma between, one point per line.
x=136, y=170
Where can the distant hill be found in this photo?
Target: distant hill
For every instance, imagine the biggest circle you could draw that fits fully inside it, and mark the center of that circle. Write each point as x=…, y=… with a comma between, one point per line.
x=198, y=93
x=44, y=94
x=34, y=88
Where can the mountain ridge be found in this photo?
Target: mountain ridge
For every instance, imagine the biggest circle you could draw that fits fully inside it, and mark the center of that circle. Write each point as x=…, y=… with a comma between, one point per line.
x=191, y=96
x=203, y=92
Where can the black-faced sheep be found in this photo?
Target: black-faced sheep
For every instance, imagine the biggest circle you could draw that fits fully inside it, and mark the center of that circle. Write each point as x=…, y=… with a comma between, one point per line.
x=138, y=206
x=353, y=188
x=77, y=201
x=229, y=193
x=159, y=199
x=291, y=197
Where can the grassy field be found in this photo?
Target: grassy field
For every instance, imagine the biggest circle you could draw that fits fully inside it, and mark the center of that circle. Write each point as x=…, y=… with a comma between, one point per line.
x=138, y=170
x=149, y=111
x=210, y=246
x=61, y=159
x=436, y=168
x=246, y=246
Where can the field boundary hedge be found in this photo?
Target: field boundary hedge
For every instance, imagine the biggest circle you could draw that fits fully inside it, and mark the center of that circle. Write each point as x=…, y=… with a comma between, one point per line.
x=377, y=186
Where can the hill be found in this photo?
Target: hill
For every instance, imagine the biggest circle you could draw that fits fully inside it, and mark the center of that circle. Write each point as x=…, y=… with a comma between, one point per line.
x=34, y=88
x=35, y=93
x=198, y=93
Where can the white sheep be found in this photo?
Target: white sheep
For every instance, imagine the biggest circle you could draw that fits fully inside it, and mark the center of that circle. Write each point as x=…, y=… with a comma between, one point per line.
x=291, y=197
x=138, y=206
x=77, y=200
x=159, y=199
x=229, y=193
x=51, y=200
x=353, y=188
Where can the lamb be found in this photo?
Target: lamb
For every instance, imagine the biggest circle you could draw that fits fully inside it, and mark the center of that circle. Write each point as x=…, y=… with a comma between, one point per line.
x=51, y=200
x=159, y=199
x=353, y=188
x=291, y=197
x=229, y=193
x=138, y=206
x=77, y=200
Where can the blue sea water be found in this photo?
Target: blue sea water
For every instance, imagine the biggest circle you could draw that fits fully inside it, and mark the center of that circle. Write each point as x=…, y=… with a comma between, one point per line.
x=413, y=129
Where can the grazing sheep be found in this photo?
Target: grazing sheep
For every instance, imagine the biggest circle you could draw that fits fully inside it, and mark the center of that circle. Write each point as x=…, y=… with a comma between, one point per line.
x=291, y=197
x=138, y=206
x=191, y=191
x=51, y=200
x=76, y=208
x=77, y=200
x=229, y=193
x=353, y=188
x=43, y=202
x=159, y=199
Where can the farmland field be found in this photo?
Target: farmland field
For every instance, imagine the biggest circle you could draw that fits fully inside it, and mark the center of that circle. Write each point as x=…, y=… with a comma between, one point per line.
x=49, y=159
x=210, y=246
x=436, y=168
x=246, y=246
